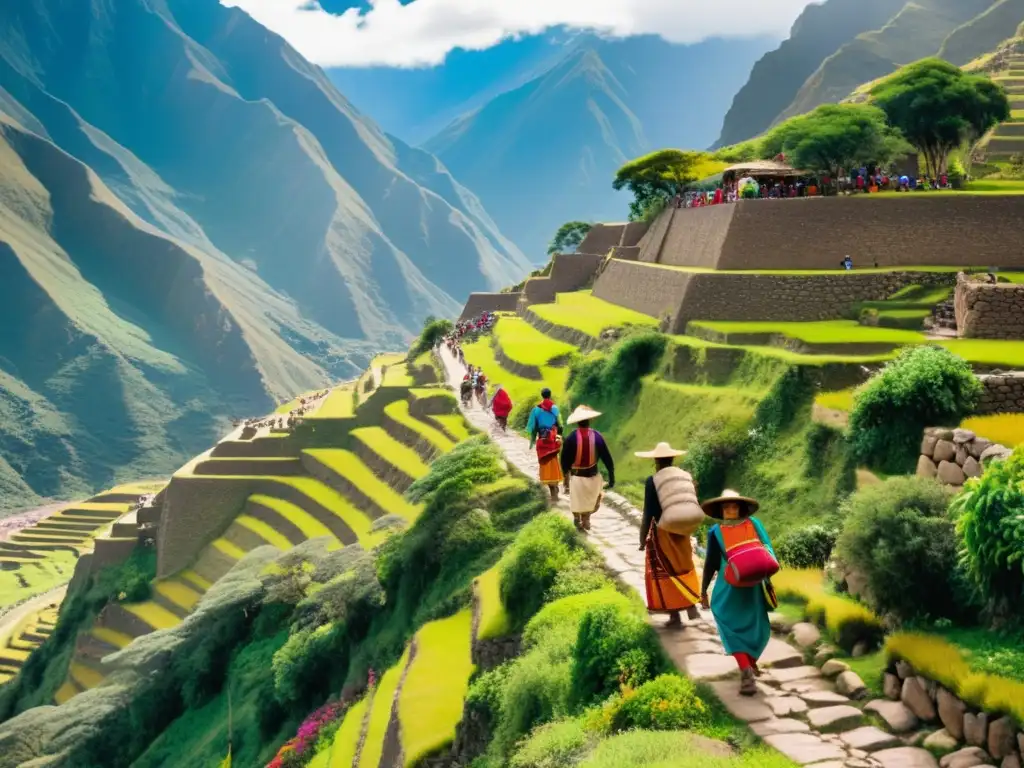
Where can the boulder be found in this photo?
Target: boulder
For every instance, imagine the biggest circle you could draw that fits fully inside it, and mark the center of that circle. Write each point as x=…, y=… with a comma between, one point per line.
x=892, y=686
x=961, y=454
x=833, y=667
x=824, y=653
x=961, y=436
x=978, y=446
x=943, y=433
x=951, y=713
x=904, y=670
x=917, y=700
x=994, y=453
x=895, y=714
x=940, y=741
x=905, y=757
x=950, y=473
x=1002, y=739
x=849, y=684
x=976, y=729
x=944, y=451
x=926, y=467
x=968, y=757
x=971, y=467
x=928, y=445
x=1010, y=761
x=806, y=635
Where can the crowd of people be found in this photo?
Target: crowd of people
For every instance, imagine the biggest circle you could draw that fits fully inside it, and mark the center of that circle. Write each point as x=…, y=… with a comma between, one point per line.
x=306, y=404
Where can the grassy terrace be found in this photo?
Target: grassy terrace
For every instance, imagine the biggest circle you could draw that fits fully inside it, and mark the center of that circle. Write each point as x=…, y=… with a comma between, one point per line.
x=494, y=621
x=524, y=344
x=343, y=750
x=393, y=451
x=822, y=332
x=454, y=424
x=349, y=466
x=399, y=411
x=582, y=311
x=380, y=714
x=311, y=527
x=339, y=404
x=431, y=701
x=481, y=354
x=397, y=375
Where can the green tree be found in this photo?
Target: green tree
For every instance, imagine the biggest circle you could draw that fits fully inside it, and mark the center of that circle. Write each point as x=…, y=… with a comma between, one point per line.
x=568, y=236
x=654, y=178
x=835, y=138
x=939, y=107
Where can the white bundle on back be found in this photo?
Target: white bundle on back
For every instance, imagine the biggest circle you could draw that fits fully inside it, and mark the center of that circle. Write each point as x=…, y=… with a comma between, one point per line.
x=680, y=511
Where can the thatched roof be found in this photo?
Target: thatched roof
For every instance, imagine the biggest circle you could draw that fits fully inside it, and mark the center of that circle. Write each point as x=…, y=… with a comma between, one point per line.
x=764, y=168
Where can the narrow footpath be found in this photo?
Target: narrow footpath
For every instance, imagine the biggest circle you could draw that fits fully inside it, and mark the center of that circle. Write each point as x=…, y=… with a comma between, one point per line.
x=814, y=719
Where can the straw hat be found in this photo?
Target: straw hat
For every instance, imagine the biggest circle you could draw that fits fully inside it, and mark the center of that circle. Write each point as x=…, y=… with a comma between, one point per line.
x=713, y=507
x=661, y=451
x=582, y=413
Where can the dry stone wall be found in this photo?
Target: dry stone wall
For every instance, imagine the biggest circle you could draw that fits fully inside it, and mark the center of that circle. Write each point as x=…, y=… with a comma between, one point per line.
x=1003, y=393
x=689, y=237
x=479, y=303
x=603, y=237
x=989, y=311
x=952, y=456
x=652, y=290
x=569, y=272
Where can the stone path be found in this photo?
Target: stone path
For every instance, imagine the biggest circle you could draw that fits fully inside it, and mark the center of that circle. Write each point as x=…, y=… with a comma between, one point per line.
x=814, y=716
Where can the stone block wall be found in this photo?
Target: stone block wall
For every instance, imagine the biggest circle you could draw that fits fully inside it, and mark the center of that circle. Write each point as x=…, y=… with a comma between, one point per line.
x=603, y=237
x=1003, y=393
x=690, y=237
x=987, y=311
x=569, y=272
x=952, y=456
x=489, y=302
x=655, y=291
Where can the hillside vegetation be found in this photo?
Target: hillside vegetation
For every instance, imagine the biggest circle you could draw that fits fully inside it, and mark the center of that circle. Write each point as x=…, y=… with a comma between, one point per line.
x=194, y=224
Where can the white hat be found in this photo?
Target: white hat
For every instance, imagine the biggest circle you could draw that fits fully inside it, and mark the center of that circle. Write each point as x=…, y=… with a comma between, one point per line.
x=582, y=413
x=661, y=451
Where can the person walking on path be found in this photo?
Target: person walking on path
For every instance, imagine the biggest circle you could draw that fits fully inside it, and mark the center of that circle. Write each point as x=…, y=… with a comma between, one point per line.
x=741, y=553
x=545, y=429
x=672, y=515
x=583, y=479
x=501, y=406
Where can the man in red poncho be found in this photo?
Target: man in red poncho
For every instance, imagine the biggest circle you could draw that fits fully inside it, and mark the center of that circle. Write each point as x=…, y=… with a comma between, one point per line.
x=501, y=406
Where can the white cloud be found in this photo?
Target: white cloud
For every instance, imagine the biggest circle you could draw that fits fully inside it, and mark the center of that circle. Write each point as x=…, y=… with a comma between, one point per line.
x=425, y=31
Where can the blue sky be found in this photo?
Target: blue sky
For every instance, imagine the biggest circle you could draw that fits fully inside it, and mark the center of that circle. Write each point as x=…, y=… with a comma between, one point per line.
x=423, y=33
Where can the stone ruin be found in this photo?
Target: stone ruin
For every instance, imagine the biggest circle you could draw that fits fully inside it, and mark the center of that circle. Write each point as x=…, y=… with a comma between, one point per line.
x=952, y=456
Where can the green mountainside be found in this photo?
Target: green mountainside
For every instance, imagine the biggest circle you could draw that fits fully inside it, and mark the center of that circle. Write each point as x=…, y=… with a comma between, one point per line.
x=193, y=221
x=983, y=33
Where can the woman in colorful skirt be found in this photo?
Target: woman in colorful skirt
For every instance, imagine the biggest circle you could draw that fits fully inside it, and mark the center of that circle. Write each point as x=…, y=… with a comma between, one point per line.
x=670, y=576
x=740, y=612
x=545, y=427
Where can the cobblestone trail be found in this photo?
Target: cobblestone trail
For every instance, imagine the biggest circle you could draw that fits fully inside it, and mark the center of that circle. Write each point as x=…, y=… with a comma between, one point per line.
x=814, y=716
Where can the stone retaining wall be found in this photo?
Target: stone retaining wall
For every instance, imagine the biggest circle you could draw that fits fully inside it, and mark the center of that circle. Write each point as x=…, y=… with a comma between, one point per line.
x=479, y=303
x=654, y=291
x=952, y=456
x=1004, y=393
x=603, y=237
x=689, y=237
x=987, y=311
x=569, y=272
x=969, y=737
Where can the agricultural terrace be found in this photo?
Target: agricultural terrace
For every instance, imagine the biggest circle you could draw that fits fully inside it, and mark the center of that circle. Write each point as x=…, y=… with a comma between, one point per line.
x=583, y=312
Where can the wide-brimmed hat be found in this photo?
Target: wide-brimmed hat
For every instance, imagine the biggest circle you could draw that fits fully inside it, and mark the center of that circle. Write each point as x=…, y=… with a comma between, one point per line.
x=661, y=451
x=582, y=413
x=713, y=507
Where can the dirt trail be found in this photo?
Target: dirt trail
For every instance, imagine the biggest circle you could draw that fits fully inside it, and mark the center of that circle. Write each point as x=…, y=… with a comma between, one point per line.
x=9, y=620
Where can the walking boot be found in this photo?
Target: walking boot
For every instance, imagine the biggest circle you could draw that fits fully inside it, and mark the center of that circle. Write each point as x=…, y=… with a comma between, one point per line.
x=748, y=687
x=577, y=522
x=692, y=613
x=586, y=522
x=674, y=620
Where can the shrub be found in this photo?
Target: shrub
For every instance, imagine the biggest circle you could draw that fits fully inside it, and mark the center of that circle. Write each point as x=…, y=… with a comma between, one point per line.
x=433, y=332
x=613, y=643
x=924, y=386
x=808, y=547
x=901, y=537
x=552, y=746
x=666, y=703
x=584, y=577
x=544, y=546
x=711, y=451
x=791, y=392
x=535, y=692
x=991, y=529
x=556, y=626
x=820, y=438
x=613, y=379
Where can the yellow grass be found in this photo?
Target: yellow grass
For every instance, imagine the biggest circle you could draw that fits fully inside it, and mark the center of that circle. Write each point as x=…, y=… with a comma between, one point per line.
x=351, y=467
x=225, y=547
x=494, y=620
x=836, y=401
x=155, y=615
x=387, y=358
x=399, y=411
x=831, y=611
x=380, y=714
x=392, y=451
x=339, y=404
x=177, y=593
x=66, y=692
x=431, y=701
x=196, y=580
x=311, y=527
x=397, y=375
x=480, y=354
x=111, y=637
x=264, y=531
x=454, y=424
x=343, y=750
x=524, y=344
x=1004, y=428
x=85, y=676
x=582, y=311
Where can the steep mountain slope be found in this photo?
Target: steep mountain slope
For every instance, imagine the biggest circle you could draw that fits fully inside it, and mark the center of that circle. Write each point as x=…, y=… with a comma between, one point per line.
x=917, y=31
x=777, y=77
x=194, y=221
x=545, y=152
x=983, y=33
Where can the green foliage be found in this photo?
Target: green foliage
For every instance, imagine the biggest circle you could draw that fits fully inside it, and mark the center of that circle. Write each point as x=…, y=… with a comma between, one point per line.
x=658, y=175
x=939, y=107
x=613, y=380
x=568, y=236
x=545, y=546
x=553, y=745
x=820, y=439
x=991, y=530
x=901, y=537
x=835, y=137
x=613, y=645
x=676, y=749
x=790, y=393
x=578, y=579
x=808, y=547
x=924, y=386
x=433, y=332
x=666, y=703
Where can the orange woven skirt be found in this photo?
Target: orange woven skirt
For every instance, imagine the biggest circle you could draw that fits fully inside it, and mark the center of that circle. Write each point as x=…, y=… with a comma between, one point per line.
x=670, y=576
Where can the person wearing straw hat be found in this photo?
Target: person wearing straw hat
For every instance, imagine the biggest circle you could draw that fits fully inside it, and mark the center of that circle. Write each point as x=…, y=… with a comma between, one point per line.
x=671, y=516
x=741, y=553
x=580, y=455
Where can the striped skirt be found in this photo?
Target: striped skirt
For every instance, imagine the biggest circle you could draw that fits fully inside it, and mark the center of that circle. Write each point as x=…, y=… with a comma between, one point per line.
x=670, y=576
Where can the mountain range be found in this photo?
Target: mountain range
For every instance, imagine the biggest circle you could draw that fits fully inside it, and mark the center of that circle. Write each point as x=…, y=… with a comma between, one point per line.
x=195, y=223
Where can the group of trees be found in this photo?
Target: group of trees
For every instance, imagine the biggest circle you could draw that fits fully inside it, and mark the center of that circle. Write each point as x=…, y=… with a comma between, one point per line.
x=930, y=106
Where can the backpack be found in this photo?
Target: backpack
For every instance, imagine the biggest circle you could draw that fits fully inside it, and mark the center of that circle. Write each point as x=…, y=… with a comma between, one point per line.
x=681, y=513
x=747, y=560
